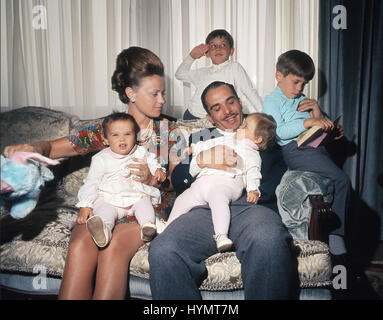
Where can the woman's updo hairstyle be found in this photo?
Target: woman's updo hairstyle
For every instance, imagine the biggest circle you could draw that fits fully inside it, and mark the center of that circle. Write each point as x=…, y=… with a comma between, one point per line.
x=132, y=65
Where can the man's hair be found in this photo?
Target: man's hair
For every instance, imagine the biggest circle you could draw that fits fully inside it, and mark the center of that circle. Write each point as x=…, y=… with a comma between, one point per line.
x=266, y=128
x=214, y=85
x=115, y=116
x=297, y=63
x=220, y=33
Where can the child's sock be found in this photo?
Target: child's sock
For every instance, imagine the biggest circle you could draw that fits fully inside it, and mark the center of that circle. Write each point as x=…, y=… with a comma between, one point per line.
x=337, y=245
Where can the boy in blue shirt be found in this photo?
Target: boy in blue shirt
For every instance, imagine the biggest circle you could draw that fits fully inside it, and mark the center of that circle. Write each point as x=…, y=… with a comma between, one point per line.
x=294, y=113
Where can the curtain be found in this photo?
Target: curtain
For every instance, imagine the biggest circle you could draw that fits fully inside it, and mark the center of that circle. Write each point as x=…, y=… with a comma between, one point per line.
x=351, y=74
x=66, y=61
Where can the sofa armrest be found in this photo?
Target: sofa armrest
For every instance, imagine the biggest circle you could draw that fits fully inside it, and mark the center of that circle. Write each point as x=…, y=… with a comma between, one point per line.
x=295, y=207
x=322, y=219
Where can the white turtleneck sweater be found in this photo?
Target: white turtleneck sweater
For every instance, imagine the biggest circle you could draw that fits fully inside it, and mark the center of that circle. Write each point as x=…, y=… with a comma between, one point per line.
x=229, y=72
x=110, y=178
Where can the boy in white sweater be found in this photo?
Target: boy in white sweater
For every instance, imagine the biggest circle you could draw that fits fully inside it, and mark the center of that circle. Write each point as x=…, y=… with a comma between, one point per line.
x=219, y=48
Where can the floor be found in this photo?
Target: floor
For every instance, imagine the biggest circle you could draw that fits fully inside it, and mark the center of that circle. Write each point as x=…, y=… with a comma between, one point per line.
x=366, y=284
x=360, y=288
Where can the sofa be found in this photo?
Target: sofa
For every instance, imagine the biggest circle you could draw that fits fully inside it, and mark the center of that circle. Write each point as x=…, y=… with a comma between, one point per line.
x=33, y=249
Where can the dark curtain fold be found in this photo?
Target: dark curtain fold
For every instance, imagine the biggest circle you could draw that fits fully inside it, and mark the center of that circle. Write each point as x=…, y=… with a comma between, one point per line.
x=350, y=83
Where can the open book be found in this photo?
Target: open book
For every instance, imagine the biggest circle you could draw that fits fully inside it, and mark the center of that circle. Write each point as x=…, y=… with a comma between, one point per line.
x=315, y=136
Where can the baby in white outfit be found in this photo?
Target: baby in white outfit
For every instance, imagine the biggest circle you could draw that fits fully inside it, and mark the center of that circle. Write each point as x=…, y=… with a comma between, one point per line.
x=220, y=187
x=110, y=191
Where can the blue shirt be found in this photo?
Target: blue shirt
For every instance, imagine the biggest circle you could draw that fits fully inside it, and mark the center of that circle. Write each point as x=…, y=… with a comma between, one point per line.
x=284, y=111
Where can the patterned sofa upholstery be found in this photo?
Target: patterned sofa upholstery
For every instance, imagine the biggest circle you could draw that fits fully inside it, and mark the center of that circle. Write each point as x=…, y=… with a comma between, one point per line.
x=33, y=250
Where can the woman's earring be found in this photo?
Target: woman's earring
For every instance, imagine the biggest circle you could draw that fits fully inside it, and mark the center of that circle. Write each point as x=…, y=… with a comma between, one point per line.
x=133, y=100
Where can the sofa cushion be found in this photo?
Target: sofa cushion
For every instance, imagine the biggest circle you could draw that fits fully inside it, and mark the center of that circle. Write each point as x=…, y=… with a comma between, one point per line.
x=30, y=124
x=188, y=127
x=224, y=269
x=39, y=240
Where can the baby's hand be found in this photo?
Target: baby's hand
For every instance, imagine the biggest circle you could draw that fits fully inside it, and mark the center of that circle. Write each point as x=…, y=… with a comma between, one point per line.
x=160, y=175
x=84, y=214
x=199, y=51
x=252, y=196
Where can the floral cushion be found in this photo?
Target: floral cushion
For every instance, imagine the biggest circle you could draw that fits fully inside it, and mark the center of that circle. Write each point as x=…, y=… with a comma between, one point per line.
x=30, y=124
x=188, y=127
x=224, y=269
x=39, y=240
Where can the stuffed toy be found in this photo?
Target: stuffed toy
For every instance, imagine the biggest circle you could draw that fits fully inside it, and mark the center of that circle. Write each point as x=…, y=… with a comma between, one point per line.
x=22, y=178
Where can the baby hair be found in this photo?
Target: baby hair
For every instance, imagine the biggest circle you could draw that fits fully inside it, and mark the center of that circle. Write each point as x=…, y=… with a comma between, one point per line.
x=266, y=128
x=115, y=116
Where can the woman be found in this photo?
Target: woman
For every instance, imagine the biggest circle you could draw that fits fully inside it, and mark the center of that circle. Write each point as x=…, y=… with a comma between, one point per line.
x=139, y=81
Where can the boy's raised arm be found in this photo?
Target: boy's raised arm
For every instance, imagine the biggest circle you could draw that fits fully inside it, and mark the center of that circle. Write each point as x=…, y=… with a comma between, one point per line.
x=184, y=72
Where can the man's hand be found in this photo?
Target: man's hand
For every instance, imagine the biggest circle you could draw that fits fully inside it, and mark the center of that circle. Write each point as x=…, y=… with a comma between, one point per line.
x=199, y=51
x=160, y=175
x=252, y=196
x=84, y=214
x=218, y=157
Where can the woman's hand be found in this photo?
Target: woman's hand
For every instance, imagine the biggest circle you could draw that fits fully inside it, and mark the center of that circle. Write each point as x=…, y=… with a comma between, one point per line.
x=54, y=149
x=142, y=172
x=84, y=214
x=218, y=157
x=10, y=150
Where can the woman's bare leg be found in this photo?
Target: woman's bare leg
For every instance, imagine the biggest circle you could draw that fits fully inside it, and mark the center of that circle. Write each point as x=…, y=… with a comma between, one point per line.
x=113, y=262
x=80, y=265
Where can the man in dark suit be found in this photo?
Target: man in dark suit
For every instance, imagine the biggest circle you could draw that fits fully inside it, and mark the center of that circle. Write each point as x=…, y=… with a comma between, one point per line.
x=262, y=243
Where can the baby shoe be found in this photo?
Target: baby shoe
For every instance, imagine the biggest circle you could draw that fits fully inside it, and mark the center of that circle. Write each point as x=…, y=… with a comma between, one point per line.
x=223, y=242
x=100, y=233
x=148, y=232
